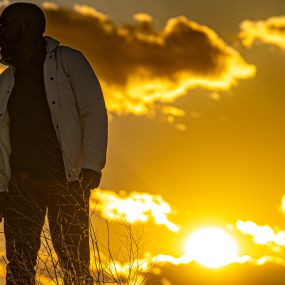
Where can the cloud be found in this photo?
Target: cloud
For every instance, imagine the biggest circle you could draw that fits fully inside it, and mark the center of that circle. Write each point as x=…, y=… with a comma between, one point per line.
x=132, y=208
x=142, y=267
x=88, y=11
x=273, y=238
x=143, y=70
x=270, y=31
x=264, y=235
x=50, y=5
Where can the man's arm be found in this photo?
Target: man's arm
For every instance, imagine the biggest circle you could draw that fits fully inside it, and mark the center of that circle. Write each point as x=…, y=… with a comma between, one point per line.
x=92, y=110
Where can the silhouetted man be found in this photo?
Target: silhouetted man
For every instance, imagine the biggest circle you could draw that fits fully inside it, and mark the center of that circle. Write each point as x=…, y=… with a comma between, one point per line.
x=53, y=142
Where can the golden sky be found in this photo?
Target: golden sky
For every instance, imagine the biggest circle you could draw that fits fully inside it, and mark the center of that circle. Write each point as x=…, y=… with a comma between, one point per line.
x=195, y=94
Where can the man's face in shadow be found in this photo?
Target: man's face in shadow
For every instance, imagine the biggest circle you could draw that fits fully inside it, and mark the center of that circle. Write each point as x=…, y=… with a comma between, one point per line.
x=10, y=35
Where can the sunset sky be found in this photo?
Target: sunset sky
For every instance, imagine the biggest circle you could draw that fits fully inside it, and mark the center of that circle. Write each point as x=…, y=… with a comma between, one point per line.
x=196, y=96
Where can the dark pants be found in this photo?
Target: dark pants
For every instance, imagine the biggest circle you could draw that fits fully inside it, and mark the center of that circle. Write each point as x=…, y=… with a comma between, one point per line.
x=67, y=206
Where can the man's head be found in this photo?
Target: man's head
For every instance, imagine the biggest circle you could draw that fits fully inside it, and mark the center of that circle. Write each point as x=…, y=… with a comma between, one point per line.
x=20, y=23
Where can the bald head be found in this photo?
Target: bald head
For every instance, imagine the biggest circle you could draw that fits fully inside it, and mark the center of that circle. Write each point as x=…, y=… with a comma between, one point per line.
x=25, y=13
x=21, y=30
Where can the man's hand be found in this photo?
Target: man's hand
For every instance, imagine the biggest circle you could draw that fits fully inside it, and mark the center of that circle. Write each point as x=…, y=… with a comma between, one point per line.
x=4, y=199
x=89, y=178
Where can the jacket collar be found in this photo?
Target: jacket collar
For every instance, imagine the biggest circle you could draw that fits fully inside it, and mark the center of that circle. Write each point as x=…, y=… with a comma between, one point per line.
x=51, y=44
x=50, y=47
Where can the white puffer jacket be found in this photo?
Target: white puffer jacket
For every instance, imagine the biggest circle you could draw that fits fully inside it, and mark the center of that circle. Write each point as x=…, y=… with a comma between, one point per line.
x=77, y=108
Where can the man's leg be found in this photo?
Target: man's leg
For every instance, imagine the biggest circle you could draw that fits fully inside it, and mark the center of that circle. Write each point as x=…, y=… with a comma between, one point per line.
x=68, y=215
x=23, y=223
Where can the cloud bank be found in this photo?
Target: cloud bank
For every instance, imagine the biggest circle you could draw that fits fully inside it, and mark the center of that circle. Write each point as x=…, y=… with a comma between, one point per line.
x=143, y=71
x=140, y=67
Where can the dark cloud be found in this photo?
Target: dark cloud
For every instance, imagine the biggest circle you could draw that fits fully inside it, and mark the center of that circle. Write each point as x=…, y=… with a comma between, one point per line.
x=117, y=52
x=140, y=67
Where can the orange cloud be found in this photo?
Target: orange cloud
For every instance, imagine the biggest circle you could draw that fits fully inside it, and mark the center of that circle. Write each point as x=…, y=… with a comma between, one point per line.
x=50, y=5
x=142, y=70
x=135, y=207
x=143, y=18
x=88, y=11
x=145, y=265
x=270, y=31
x=264, y=234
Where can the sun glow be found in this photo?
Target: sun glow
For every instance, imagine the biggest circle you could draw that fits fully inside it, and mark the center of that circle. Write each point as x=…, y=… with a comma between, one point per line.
x=211, y=247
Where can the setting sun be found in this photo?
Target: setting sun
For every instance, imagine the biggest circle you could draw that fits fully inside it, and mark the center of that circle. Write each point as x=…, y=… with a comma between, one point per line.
x=211, y=247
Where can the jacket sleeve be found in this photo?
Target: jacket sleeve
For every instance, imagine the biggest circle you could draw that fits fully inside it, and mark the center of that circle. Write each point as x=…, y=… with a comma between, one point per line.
x=5, y=152
x=92, y=110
